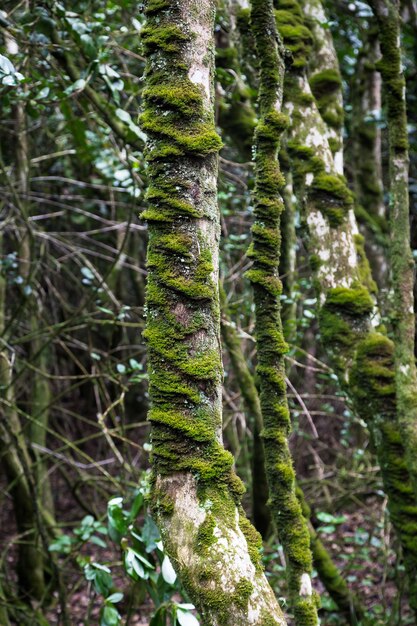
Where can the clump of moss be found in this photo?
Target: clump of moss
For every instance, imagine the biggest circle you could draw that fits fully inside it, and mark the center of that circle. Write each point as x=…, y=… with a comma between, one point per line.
x=344, y=317
x=365, y=273
x=295, y=33
x=168, y=38
x=325, y=86
x=205, y=536
x=332, y=196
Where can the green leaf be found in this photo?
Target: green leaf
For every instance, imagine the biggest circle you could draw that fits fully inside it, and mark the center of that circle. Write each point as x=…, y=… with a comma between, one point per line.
x=87, y=273
x=150, y=534
x=116, y=519
x=142, y=558
x=77, y=86
x=43, y=93
x=103, y=583
x=168, y=572
x=136, y=505
x=121, y=368
x=115, y=597
x=7, y=66
x=186, y=619
x=109, y=616
x=124, y=116
x=133, y=567
x=159, y=618
x=88, y=46
x=62, y=544
x=98, y=542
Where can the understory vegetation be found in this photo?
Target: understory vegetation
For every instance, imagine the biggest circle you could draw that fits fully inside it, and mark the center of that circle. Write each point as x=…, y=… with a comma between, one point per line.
x=208, y=388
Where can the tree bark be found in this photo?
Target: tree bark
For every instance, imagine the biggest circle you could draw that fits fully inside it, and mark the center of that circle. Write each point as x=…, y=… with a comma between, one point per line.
x=328, y=572
x=348, y=317
x=402, y=262
x=195, y=494
x=267, y=289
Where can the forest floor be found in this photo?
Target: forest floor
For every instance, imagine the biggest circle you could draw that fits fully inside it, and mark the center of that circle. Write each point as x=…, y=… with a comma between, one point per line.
x=360, y=540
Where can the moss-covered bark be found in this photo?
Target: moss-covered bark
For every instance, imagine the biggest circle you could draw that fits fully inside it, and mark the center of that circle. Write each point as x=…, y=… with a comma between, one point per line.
x=196, y=494
x=244, y=378
x=330, y=576
x=271, y=346
x=347, y=311
x=365, y=156
x=402, y=263
x=328, y=572
x=15, y=461
x=325, y=78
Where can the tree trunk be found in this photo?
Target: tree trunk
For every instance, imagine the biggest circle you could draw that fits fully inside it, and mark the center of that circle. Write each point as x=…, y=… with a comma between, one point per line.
x=267, y=289
x=195, y=494
x=402, y=262
x=361, y=356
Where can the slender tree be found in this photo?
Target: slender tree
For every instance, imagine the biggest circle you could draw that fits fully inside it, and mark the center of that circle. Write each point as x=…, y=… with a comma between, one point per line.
x=271, y=346
x=196, y=494
x=402, y=262
x=348, y=317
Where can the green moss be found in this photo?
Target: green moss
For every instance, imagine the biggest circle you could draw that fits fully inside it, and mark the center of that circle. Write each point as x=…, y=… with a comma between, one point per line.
x=253, y=540
x=335, y=144
x=325, y=81
x=271, y=284
x=242, y=593
x=299, y=151
x=189, y=426
x=365, y=273
x=374, y=372
x=167, y=38
x=200, y=139
x=315, y=262
x=344, y=318
x=163, y=504
x=332, y=196
x=268, y=620
x=184, y=98
x=296, y=35
x=205, y=536
x=154, y=6
x=354, y=301
x=326, y=86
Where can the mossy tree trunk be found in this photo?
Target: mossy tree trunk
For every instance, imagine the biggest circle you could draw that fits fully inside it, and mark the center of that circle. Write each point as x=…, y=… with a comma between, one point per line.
x=195, y=494
x=366, y=156
x=402, y=263
x=362, y=357
x=267, y=289
x=14, y=453
x=328, y=572
x=260, y=493
x=325, y=78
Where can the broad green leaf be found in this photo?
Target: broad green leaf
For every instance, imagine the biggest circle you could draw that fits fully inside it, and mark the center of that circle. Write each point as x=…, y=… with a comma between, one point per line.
x=168, y=572
x=103, y=583
x=115, y=597
x=110, y=616
x=133, y=567
x=186, y=619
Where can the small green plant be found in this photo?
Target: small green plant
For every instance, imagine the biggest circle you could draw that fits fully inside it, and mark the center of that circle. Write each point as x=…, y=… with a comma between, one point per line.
x=143, y=560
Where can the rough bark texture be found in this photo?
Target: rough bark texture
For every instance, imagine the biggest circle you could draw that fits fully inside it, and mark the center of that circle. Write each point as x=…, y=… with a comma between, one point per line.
x=244, y=378
x=325, y=79
x=402, y=262
x=267, y=288
x=196, y=493
x=347, y=313
x=328, y=572
x=367, y=158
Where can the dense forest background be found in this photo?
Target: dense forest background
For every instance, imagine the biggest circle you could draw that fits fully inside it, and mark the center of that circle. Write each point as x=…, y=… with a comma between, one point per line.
x=79, y=544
